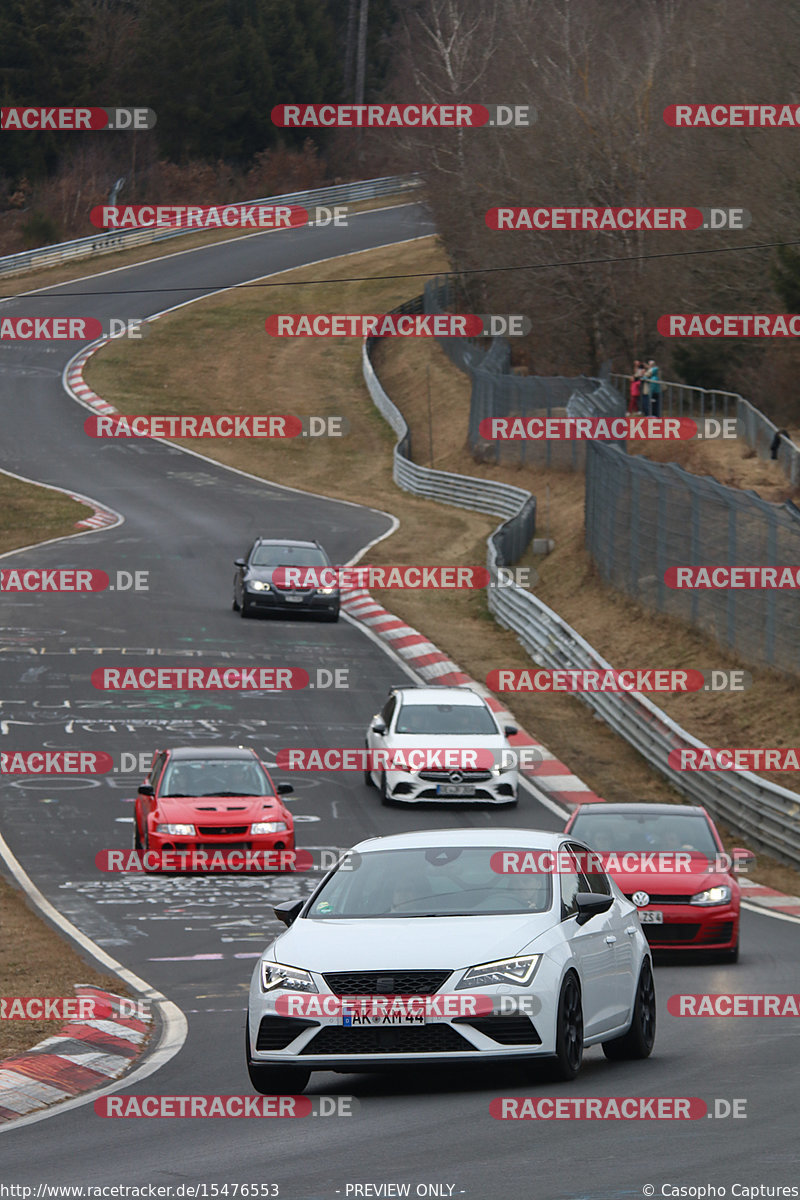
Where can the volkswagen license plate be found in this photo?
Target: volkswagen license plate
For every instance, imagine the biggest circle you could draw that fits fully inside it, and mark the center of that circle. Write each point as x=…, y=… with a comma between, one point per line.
x=651, y=917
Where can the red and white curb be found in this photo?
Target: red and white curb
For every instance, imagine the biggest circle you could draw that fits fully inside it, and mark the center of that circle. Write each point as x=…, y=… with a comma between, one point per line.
x=76, y=383
x=765, y=897
x=551, y=776
x=84, y=1055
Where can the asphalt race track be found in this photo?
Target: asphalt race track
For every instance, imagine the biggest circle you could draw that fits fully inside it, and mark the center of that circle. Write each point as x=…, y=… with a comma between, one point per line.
x=195, y=938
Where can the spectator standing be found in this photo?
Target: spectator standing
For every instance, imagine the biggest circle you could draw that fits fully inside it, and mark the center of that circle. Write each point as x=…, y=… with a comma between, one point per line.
x=636, y=387
x=654, y=389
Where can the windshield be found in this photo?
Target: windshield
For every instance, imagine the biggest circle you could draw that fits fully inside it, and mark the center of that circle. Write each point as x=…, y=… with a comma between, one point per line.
x=288, y=556
x=434, y=882
x=215, y=777
x=640, y=832
x=453, y=719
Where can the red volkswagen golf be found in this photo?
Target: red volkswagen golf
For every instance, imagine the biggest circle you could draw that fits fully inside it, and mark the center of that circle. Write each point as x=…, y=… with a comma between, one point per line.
x=211, y=798
x=670, y=861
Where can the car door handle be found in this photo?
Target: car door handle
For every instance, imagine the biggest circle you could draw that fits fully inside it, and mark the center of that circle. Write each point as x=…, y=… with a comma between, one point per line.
x=610, y=939
x=630, y=930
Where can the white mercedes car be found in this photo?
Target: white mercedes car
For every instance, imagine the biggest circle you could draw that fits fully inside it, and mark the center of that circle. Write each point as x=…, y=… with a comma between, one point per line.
x=454, y=719
x=420, y=949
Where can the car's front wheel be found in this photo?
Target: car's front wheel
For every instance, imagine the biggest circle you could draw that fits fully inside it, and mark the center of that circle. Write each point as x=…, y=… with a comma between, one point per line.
x=569, y=1031
x=244, y=610
x=272, y=1080
x=386, y=800
x=639, y=1040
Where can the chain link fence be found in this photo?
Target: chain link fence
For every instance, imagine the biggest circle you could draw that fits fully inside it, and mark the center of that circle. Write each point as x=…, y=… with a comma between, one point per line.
x=643, y=517
x=498, y=393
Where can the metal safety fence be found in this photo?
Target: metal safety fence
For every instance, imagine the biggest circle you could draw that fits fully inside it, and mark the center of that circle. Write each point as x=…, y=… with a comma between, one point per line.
x=643, y=517
x=105, y=243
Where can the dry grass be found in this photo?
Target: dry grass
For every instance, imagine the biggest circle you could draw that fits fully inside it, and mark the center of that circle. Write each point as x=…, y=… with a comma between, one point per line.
x=34, y=514
x=36, y=961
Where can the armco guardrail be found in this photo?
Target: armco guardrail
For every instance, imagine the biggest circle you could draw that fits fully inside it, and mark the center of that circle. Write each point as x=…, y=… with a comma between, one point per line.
x=681, y=400
x=106, y=243
x=764, y=813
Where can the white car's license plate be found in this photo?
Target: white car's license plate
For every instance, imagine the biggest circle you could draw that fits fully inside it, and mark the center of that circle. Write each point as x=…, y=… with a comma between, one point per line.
x=455, y=789
x=651, y=917
x=357, y=1020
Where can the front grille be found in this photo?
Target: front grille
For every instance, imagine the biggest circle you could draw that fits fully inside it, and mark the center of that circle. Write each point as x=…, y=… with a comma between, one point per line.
x=386, y=983
x=672, y=935
x=467, y=776
x=222, y=830
x=666, y=899
x=508, y=1031
x=388, y=1039
x=275, y=1033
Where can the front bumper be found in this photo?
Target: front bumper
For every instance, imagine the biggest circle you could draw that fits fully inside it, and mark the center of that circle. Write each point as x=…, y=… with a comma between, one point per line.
x=289, y=602
x=325, y=1043
x=693, y=927
x=210, y=843
x=411, y=787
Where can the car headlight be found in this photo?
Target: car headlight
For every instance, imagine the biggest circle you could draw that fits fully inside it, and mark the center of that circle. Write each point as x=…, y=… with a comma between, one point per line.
x=269, y=827
x=176, y=830
x=326, y=591
x=258, y=585
x=292, y=979
x=714, y=895
x=505, y=970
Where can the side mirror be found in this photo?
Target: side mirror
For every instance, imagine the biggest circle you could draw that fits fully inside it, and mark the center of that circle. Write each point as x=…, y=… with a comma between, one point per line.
x=240, y=562
x=379, y=727
x=146, y=790
x=743, y=860
x=289, y=911
x=284, y=789
x=591, y=904
x=510, y=730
